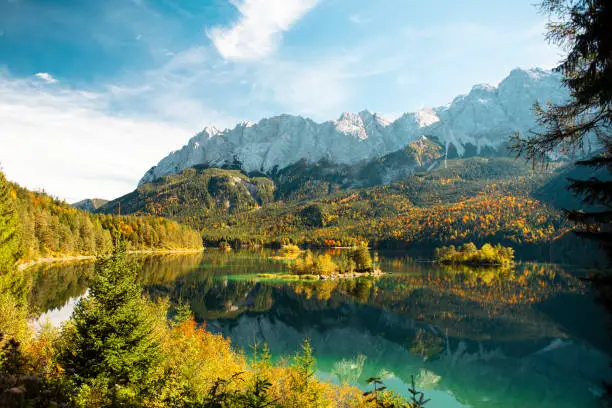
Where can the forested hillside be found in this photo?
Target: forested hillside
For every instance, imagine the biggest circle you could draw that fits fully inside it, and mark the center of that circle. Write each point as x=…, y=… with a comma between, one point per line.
x=52, y=228
x=196, y=193
x=415, y=211
x=449, y=201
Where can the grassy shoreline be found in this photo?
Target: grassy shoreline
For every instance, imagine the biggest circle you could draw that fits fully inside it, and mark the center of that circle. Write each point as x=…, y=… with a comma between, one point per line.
x=82, y=258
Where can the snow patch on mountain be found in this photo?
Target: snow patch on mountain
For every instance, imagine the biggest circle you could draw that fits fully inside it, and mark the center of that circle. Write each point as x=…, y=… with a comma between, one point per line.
x=426, y=117
x=485, y=117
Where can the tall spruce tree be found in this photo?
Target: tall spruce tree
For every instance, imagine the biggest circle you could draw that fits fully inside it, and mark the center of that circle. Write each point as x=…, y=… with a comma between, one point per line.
x=9, y=227
x=584, y=29
x=112, y=342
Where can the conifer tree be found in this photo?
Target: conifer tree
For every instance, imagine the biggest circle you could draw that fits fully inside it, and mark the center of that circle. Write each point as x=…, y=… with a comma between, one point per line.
x=112, y=342
x=584, y=29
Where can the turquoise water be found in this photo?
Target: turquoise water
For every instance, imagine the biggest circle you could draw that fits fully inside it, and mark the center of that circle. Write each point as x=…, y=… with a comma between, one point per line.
x=530, y=337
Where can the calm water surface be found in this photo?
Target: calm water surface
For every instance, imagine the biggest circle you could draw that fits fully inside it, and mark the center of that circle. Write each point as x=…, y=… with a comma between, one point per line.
x=532, y=337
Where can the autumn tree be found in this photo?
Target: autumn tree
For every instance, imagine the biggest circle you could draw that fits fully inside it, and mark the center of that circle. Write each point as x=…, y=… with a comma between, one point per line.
x=584, y=29
x=13, y=304
x=361, y=257
x=9, y=227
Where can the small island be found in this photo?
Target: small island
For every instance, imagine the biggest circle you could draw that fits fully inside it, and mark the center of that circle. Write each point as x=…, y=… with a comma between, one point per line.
x=469, y=254
x=353, y=263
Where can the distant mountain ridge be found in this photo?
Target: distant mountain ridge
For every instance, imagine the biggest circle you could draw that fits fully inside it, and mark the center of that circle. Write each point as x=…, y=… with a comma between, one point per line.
x=90, y=204
x=482, y=119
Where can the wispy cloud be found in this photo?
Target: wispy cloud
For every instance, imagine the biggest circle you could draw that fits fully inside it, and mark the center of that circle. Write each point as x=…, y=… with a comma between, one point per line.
x=259, y=28
x=317, y=90
x=48, y=78
x=323, y=87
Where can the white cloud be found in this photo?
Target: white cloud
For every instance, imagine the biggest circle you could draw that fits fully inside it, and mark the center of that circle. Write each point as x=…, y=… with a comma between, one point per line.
x=65, y=142
x=48, y=78
x=259, y=28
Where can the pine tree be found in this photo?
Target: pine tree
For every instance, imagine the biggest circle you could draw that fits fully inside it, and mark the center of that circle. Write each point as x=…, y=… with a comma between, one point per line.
x=112, y=339
x=9, y=227
x=584, y=28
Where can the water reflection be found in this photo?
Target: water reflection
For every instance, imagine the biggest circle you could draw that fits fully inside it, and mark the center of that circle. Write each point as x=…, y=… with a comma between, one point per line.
x=53, y=285
x=495, y=338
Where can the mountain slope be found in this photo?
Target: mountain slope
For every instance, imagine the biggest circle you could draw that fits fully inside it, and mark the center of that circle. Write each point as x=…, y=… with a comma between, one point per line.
x=484, y=118
x=314, y=180
x=475, y=199
x=194, y=193
x=90, y=204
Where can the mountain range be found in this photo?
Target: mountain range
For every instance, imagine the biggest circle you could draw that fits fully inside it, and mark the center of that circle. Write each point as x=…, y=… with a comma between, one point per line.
x=435, y=177
x=480, y=121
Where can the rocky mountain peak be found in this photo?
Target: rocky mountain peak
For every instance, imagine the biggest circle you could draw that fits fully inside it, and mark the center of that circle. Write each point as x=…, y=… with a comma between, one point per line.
x=486, y=117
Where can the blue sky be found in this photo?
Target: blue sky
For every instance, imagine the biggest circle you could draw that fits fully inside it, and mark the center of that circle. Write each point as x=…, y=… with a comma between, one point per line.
x=93, y=93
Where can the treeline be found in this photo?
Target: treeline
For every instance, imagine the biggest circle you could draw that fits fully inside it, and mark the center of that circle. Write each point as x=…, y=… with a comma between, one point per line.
x=385, y=217
x=476, y=199
x=52, y=228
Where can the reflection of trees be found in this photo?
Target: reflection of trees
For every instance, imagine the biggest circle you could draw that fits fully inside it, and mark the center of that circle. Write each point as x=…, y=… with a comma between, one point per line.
x=480, y=302
x=160, y=269
x=463, y=300
x=54, y=284
x=497, y=289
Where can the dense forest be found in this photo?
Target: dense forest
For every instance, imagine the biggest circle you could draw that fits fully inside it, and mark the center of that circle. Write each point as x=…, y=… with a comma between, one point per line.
x=52, y=228
x=476, y=199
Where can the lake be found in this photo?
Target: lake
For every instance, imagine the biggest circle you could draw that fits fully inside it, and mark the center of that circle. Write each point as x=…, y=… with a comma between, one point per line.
x=534, y=336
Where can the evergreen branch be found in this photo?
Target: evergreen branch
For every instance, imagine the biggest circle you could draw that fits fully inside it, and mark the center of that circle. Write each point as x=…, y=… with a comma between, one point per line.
x=589, y=218
x=593, y=191
x=597, y=162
